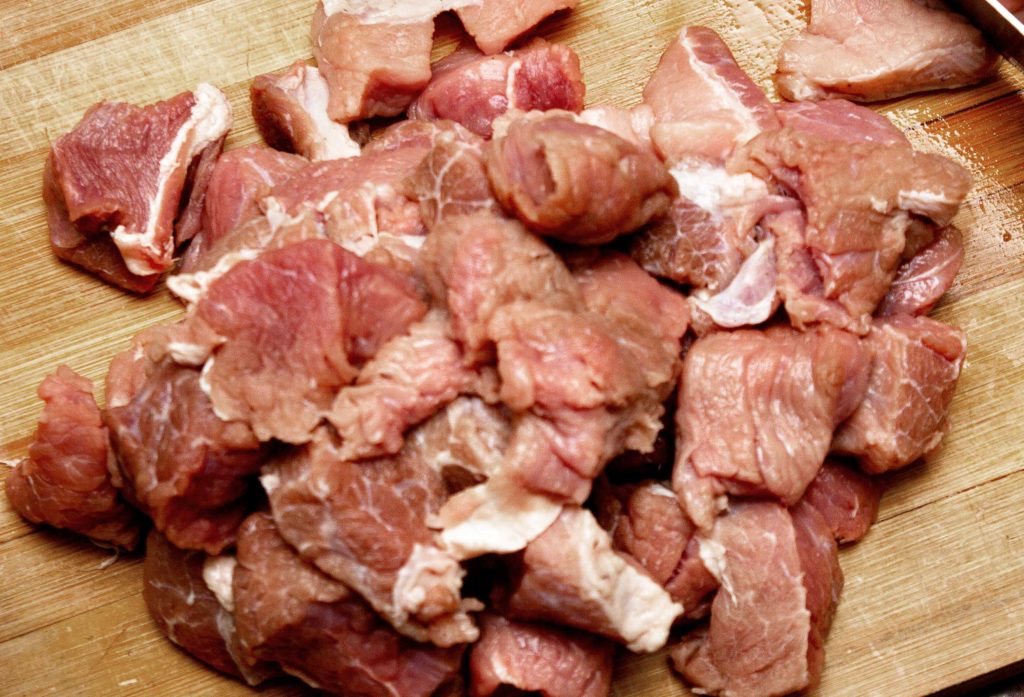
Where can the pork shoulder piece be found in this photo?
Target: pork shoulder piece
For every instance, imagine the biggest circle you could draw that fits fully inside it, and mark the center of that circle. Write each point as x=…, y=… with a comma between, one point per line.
x=846, y=499
x=757, y=410
x=473, y=89
x=571, y=575
x=867, y=50
x=495, y=24
x=288, y=612
x=364, y=523
x=922, y=280
x=915, y=365
x=64, y=481
x=279, y=335
x=838, y=119
x=575, y=182
x=780, y=581
x=290, y=110
x=452, y=179
x=114, y=185
x=539, y=658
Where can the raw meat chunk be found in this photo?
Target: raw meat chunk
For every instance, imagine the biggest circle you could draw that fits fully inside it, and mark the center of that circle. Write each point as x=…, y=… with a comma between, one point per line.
x=452, y=180
x=178, y=462
x=364, y=523
x=113, y=185
x=538, y=658
x=575, y=182
x=465, y=442
x=916, y=362
x=290, y=110
x=374, y=64
x=416, y=133
x=869, y=50
x=846, y=499
x=495, y=24
x=64, y=481
x=757, y=410
x=838, y=119
x=278, y=336
x=633, y=124
x=924, y=278
x=473, y=89
x=571, y=575
x=288, y=612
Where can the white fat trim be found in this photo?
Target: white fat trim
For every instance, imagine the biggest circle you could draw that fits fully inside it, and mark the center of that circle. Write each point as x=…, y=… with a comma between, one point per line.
x=721, y=91
x=218, y=574
x=712, y=188
x=270, y=481
x=190, y=287
x=209, y=120
x=661, y=490
x=185, y=353
x=722, y=307
x=510, y=83
x=426, y=568
x=712, y=554
x=334, y=141
x=394, y=11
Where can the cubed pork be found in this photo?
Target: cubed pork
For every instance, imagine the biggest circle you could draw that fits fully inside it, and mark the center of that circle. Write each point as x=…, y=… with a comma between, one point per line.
x=495, y=24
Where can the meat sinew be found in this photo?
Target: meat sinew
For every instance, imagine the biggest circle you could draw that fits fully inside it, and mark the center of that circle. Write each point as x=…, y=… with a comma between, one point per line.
x=114, y=185
x=870, y=50
x=494, y=24
x=64, y=481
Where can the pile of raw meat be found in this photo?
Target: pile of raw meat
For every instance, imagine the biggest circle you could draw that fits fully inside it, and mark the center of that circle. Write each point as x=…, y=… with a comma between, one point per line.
x=462, y=401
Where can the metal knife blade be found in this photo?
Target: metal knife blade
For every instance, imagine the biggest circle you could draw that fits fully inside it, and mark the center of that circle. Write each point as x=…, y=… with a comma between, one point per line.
x=1001, y=27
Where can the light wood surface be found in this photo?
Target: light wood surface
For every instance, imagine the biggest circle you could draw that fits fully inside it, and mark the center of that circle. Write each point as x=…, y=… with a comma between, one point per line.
x=934, y=595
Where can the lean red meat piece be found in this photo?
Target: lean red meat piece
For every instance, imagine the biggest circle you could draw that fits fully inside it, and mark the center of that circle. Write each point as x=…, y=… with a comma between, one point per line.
x=846, y=498
x=495, y=24
x=916, y=363
x=114, y=185
x=757, y=410
x=452, y=180
x=364, y=523
x=64, y=481
x=922, y=280
x=375, y=62
x=279, y=335
x=870, y=50
x=571, y=575
x=290, y=110
x=780, y=581
x=473, y=89
x=575, y=182
x=543, y=659
x=288, y=612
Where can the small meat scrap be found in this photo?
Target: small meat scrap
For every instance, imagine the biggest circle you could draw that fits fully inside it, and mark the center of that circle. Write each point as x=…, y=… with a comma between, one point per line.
x=64, y=481
x=846, y=498
x=571, y=575
x=867, y=51
x=915, y=366
x=316, y=628
x=922, y=280
x=290, y=110
x=473, y=89
x=757, y=410
x=279, y=335
x=178, y=462
x=780, y=582
x=495, y=24
x=364, y=524
x=114, y=185
x=538, y=658
x=575, y=182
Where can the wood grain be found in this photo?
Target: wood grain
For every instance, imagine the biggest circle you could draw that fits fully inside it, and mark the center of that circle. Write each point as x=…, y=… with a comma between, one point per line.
x=934, y=595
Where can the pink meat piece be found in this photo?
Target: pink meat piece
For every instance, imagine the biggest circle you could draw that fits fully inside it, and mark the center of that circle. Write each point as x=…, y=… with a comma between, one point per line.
x=837, y=261
x=870, y=50
x=189, y=614
x=633, y=124
x=64, y=481
x=916, y=363
x=757, y=410
x=288, y=612
x=780, y=581
x=847, y=500
x=575, y=182
x=1013, y=5
x=115, y=185
x=416, y=133
x=188, y=470
x=571, y=575
x=452, y=180
x=922, y=280
x=238, y=183
x=364, y=524
x=838, y=119
x=538, y=658
x=473, y=89
x=280, y=335
x=495, y=24
x=374, y=66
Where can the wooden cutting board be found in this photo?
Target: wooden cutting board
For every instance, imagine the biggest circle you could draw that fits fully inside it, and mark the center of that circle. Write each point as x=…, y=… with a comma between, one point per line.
x=934, y=595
